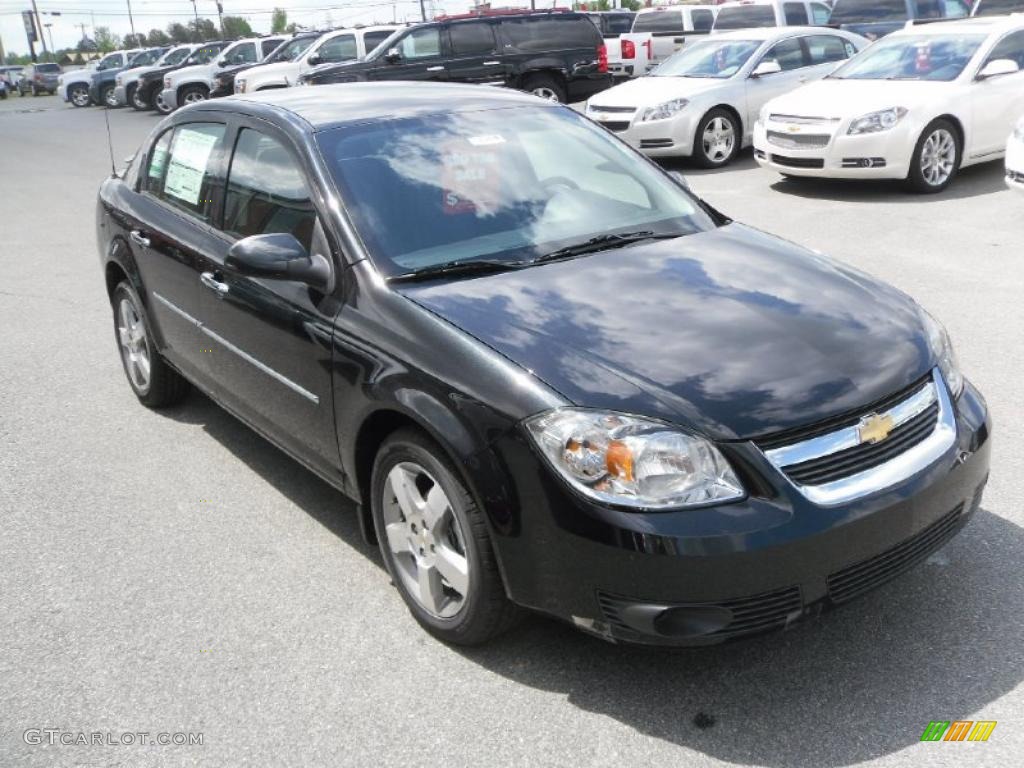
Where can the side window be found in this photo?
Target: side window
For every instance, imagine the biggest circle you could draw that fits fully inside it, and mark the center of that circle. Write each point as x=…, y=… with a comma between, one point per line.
x=820, y=14
x=788, y=53
x=372, y=39
x=473, y=37
x=550, y=33
x=421, y=44
x=266, y=191
x=340, y=48
x=955, y=9
x=826, y=48
x=267, y=47
x=243, y=54
x=1010, y=47
x=190, y=180
x=157, y=167
x=702, y=20
x=796, y=14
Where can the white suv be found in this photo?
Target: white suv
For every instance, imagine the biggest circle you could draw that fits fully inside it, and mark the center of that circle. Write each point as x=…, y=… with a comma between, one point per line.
x=73, y=86
x=747, y=14
x=191, y=84
x=330, y=48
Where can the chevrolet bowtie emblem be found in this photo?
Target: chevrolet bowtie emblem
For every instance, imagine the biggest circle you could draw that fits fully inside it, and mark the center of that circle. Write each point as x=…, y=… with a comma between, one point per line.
x=792, y=128
x=875, y=428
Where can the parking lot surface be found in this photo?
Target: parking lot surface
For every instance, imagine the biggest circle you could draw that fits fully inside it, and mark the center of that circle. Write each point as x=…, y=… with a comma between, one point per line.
x=173, y=572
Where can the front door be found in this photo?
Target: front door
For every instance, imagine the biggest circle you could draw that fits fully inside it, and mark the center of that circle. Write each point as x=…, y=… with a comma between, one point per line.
x=789, y=54
x=270, y=340
x=420, y=57
x=996, y=102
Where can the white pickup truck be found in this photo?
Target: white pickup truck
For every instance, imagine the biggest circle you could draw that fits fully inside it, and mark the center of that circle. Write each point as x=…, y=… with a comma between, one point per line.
x=656, y=34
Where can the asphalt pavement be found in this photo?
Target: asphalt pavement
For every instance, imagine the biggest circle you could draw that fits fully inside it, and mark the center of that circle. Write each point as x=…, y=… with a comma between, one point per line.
x=174, y=573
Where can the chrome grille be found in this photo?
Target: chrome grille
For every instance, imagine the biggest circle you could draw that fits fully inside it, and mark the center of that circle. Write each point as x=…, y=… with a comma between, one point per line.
x=801, y=120
x=837, y=466
x=612, y=110
x=799, y=140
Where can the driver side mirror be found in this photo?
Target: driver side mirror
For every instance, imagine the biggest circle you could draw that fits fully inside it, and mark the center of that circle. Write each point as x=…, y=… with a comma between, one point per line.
x=279, y=256
x=766, y=67
x=393, y=56
x=314, y=59
x=998, y=67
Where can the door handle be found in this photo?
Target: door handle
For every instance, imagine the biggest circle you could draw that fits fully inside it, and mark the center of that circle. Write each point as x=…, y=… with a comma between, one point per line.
x=438, y=68
x=491, y=63
x=139, y=238
x=211, y=282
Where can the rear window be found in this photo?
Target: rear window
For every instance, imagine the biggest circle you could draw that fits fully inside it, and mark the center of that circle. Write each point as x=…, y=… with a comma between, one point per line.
x=372, y=39
x=551, y=33
x=745, y=17
x=864, y=11
x=659, y=21
x=47, y=68
x=618, y=23
x=998, y=7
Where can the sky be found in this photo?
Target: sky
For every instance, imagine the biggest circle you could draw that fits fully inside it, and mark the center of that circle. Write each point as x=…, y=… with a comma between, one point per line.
x=149, y=14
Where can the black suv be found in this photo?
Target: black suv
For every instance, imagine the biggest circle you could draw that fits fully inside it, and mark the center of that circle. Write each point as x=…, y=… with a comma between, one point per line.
x=556, y=55
x=151, y=83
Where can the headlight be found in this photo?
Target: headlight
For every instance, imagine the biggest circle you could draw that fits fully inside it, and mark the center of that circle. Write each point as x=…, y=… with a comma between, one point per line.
x=118, y=80
x=875, y=122
x=1018, y=132
x=938, y=340
x=631, y=461
x=663, y=111
x=239, y=85
x=167, y=82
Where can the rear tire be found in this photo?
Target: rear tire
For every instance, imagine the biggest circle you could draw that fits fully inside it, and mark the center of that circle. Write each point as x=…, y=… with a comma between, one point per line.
x=545, y=87
x=936, y=159
x=717, y=139
x=454, y=591
x=155, y=383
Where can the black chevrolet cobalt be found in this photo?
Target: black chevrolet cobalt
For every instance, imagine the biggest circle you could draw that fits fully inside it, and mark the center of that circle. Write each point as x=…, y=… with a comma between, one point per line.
x=550, y=376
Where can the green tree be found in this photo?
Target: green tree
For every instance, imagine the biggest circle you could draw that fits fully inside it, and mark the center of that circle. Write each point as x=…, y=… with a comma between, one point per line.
x=179, y=33
x=202, y=30
x=236, y=26
x=107, y=41
x=279, y=21
x=158, y=37
x=135, y=41
x=632, y=5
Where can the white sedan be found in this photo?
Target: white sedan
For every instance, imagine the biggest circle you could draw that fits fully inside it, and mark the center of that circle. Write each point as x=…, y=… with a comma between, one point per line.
x=1015, y=158
x=703, y=101
x=917, y=105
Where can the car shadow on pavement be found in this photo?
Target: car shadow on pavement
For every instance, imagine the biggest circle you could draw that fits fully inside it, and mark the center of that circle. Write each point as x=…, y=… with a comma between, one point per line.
x=975, y=181
x=940, y=642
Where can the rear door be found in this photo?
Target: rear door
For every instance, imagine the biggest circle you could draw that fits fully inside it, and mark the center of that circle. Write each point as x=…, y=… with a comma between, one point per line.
x=420, y=57
x=172, y=233
x=270, y=340
x=474, y=53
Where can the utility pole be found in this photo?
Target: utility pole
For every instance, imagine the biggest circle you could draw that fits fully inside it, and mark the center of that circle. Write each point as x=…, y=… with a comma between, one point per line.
x=82, y=26
x=195, y=10
x=49, y=30
x=130, y=19
x=423, y=10
x=220, y=16
x=39, y=24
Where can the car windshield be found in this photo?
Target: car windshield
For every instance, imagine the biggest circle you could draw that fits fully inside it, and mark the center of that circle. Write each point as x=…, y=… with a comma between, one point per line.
x=505, y=185
x=708, y=58
x=998, y=7
x=917, y=57
x=174, y=56
x=745, y=17
x=205, y=54
x=866, y=11
x=146, y=57
x=290, y=50
x=659, y=21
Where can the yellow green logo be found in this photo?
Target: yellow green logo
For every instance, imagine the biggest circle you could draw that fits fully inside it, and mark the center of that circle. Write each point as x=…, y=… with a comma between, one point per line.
x=958, y=730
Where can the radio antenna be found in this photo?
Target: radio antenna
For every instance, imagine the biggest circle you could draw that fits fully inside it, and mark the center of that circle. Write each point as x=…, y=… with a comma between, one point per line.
x=110, y=141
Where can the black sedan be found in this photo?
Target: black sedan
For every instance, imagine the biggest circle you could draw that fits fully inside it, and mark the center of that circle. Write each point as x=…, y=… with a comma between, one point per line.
x=550, y=375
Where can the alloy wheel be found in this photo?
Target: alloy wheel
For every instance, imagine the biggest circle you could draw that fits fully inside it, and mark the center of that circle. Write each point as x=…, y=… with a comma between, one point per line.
x=109, y=98
x=138, y=101
x=718, y=140
x=545, y=93
x=193, y=97
x=938, y=157
x=161, y=105
x=80, y=97
x=426, y=540
x=131, y=335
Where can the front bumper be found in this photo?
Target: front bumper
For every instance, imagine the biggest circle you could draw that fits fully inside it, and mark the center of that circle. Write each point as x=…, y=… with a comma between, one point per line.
x=703, y=576
x=1015, y=164
x=656, y=138
x=169, y=96
x=884, y=155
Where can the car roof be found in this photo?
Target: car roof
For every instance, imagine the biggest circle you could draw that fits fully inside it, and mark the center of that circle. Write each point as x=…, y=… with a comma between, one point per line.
x=975, y=24
x=326, y=106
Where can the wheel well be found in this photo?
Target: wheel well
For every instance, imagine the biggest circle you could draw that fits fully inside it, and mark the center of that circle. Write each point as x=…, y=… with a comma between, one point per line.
x=186, y=86
x=372, y=434
x=956, y=124
x=114, y=275
x=272, y=87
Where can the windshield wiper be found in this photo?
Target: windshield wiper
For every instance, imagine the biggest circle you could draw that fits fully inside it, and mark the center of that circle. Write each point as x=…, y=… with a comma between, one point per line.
x=459, y=267
x=603, y=243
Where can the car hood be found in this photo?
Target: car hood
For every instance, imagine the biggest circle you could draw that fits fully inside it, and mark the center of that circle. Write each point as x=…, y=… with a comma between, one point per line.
x=645, y=91
x=731, y=333
x=277, y=68
x=852, y=98
x=77, y=74
x=136, y=72
x=193, y=69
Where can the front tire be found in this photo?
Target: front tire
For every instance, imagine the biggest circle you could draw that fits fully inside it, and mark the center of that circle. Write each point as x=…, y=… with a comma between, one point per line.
x=545, y=87
x=192, y=94
x=936, y=159
x=718, y=139
x=155, y=383
x=107, y=98
x=435, y=543
x=79, y=95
